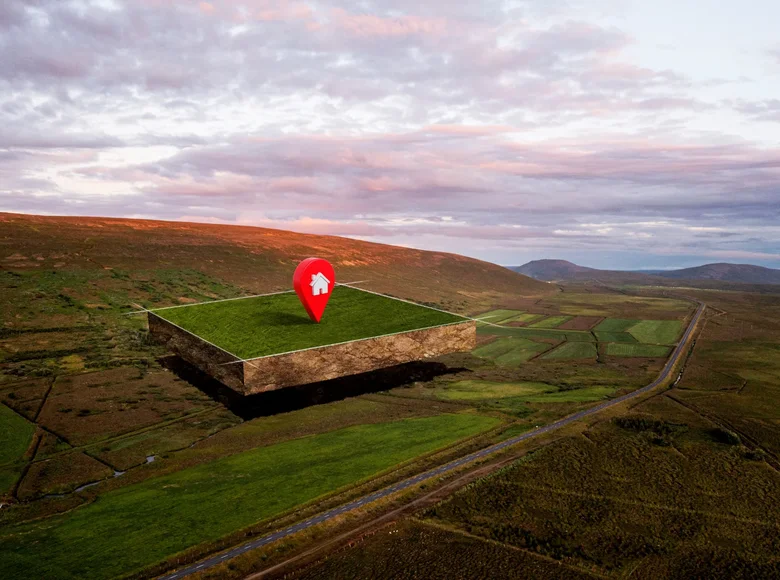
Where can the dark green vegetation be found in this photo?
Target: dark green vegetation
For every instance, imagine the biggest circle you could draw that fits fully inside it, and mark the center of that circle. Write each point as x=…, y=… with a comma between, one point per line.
x=411, y=550
x=573, y=350
x=511, y=350
x=139, y=525
x=551, y=322
x=15, y=436
x=266, y=325
x=643, y=350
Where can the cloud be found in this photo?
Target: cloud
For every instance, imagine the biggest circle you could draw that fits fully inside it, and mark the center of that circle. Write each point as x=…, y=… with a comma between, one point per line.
x=523, y=124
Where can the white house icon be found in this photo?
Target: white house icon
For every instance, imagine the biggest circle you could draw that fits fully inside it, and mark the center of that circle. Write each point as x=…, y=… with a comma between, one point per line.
x=319, y=284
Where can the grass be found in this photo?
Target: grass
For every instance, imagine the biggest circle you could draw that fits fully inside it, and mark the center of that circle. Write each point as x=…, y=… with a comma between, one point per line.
x=641, y=350
x=138, y=525
x=614, y=336
x=573, y=350
x=615, y=325
x=531, y=333
x=510, y=351
x=526, y=392
x=410, y=550
x=585, y=395
x=15, y=435
x=526, y=318
x=499, y=316
x=268, y=325
x=471, y=390
x=602, y=502
x=656, y=331
x=551, y=322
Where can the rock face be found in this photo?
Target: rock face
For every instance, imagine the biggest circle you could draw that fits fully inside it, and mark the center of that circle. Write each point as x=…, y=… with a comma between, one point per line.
x=196, y=351
x=315, y=364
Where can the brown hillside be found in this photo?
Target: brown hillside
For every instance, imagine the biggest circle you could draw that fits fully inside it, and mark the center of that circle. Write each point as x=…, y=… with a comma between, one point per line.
x=255, y=259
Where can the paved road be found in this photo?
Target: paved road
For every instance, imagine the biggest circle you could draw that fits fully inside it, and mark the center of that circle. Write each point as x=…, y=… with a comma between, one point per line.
x=324, y=516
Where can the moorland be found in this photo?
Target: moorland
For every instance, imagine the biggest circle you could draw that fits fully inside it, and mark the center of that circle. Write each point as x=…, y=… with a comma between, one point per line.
x=111, y=445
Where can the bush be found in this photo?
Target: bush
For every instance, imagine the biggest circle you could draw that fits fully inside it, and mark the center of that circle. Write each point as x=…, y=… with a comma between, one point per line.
x=722, y=435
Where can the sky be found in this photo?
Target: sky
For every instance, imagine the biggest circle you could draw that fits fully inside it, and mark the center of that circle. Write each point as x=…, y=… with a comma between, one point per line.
x=617, y=134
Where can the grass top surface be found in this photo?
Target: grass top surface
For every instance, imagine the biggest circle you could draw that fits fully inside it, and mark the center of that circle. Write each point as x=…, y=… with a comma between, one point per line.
x=268, y=325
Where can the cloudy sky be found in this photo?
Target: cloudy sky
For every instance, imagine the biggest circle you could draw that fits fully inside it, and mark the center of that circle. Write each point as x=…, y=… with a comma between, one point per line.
x=615, y=133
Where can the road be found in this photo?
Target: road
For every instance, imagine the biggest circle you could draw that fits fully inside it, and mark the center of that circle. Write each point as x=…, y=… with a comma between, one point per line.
x=417, y=479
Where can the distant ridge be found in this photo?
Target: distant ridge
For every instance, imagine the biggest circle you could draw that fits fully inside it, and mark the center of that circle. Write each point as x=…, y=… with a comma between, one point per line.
x=564, y=271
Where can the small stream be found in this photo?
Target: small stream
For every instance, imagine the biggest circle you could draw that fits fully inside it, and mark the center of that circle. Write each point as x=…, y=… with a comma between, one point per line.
x=149, y=459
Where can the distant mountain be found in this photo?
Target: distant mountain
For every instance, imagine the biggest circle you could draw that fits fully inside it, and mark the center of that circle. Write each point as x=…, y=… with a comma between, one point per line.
x=563, y=271
x=727, y=273
x=552, y=270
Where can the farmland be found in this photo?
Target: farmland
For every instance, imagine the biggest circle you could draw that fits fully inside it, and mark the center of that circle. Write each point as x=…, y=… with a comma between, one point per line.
x=109, y=407
x=15, y=436
x=266, y=325
x=684, y=484
x=572, y=350
x=126, y=524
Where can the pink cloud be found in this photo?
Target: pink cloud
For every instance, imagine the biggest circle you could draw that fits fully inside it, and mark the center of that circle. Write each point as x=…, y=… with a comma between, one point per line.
x=377, y=26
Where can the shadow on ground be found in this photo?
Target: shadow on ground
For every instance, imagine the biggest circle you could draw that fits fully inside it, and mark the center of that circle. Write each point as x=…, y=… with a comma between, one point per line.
x=293, y=398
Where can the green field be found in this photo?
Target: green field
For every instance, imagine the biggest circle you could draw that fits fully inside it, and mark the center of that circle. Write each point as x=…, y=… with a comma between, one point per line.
x=573, y=350
x=614, y=337
x=499, y=316
x=657, y=331
x=509, y=351
x=642, y=350
x=526, y=392
x=615, y=325
x=531, y=333
x=473, y=390
x=585, y=395
x=138, y=525
x=551, y=322
x=527, y=317
x=15, y=436
x=266, y=325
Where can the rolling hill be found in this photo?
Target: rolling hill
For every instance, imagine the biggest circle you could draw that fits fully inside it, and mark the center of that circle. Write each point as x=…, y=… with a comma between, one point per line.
x=746, y=273
x=254, y=259
x=564, y=271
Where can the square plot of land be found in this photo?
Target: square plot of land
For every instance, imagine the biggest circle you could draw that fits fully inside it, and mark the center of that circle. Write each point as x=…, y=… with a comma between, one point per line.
x=267, y=342
x=267, y=325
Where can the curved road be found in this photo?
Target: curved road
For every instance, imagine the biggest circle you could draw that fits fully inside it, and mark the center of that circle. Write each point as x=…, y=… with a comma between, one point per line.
x=355, y=504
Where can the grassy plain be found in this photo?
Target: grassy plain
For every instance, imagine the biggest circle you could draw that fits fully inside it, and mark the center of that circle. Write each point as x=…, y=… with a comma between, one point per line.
x=141, y=524
x=511, y=350
x=15, y=436
x=656, y=331
x=254, y=327
x=572, y=350
x=638, y=350
x=551, y=322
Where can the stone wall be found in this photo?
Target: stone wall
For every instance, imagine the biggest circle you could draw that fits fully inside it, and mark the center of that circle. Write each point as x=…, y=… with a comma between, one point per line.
x=329, y=362
x=196, y=351
x=315, y=364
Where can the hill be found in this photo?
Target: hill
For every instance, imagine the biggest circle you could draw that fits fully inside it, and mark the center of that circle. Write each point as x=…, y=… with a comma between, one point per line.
x=717, y=275
x=745, y=273
x=254, y=259
x=564, y=271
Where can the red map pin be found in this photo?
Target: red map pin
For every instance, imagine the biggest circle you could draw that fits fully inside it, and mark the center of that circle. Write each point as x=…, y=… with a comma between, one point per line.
x=314, y=280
